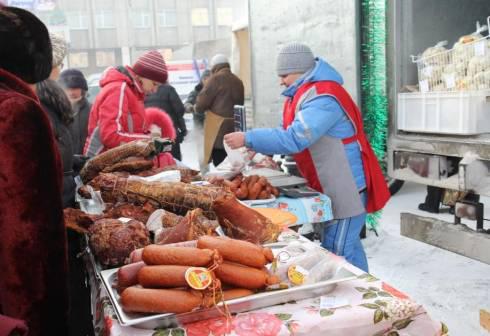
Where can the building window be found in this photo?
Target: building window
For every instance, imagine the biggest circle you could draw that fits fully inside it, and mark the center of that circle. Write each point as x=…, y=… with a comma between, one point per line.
x=200, y=17
x=78, y=60
x=105, y=58
x=224, y=16
x=77, y=20
x=167, y=18
x=104, y=19
x=141, y=19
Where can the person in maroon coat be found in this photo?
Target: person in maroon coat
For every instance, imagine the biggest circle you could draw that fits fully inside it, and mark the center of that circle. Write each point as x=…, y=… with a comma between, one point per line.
x=33, y=260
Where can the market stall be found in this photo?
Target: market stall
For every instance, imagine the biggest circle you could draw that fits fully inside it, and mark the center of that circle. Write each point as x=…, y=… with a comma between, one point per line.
x=167, y=256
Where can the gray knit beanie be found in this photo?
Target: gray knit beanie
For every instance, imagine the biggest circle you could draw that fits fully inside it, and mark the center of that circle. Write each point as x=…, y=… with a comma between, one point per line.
x=60, y=48
x=294, y=58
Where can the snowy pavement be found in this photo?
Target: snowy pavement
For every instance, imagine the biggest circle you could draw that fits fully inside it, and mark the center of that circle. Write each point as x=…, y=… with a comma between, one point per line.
x=451, y=287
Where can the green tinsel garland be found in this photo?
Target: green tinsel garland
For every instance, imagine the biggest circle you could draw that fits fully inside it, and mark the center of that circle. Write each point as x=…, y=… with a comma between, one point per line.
x=374, y=100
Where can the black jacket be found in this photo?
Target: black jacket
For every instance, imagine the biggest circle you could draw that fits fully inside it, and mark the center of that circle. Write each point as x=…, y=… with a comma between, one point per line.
x=192, y=98
x=79, y=126
x=59, y=111
x=167, y=99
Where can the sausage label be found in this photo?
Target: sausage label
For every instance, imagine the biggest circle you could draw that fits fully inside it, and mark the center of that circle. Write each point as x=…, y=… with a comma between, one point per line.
x=198, y=278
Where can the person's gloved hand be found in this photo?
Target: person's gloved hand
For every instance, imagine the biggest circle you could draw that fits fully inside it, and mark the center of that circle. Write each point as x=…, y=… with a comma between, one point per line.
x=78, y=162
x=189, y=108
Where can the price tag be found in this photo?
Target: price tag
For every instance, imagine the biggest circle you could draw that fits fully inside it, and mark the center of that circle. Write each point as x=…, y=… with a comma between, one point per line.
x=450, y=80
x=329, y=302
x=198, y=278
x=480, y=48
x=424, y=86
x=427, y=71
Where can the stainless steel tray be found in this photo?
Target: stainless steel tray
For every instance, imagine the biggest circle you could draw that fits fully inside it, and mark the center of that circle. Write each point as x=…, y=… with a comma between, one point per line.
x=256, y=301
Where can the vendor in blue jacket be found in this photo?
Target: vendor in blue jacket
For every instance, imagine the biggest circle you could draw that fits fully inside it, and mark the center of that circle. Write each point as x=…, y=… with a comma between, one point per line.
x=322, y=128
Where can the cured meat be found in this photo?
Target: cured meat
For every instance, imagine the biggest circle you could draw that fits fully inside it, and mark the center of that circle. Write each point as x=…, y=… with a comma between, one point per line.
x=162, y=276
x=127, y=275
x=186, y=256
x=112, y=240
x=186, y=175
x=244, y=276
x=139, y=148
x=190, y=227
x=237, y=251
x=130, y=165
x=127, y=210
x=78, y=220
x=176, y=197
x=145, y=300
x=244, y=223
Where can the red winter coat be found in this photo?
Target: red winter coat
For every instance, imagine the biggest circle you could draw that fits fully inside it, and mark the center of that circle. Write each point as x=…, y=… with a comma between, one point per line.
x=118, y=113
x=33, y=261
x=155, y=116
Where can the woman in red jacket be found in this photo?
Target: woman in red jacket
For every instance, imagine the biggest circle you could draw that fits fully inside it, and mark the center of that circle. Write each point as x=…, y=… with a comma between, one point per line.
x=118, y=113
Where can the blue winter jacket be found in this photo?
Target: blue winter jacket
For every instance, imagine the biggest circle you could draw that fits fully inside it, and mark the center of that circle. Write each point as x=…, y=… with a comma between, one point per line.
x=320, y=116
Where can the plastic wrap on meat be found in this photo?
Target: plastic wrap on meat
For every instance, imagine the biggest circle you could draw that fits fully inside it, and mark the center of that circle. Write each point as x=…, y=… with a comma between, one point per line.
x=176, y=197
x=112, y=241
x=138, y=148
x=190, y=227
x=242, y=222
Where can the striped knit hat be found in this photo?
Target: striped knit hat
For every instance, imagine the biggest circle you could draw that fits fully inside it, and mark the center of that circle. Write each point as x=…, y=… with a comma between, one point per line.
x=151, y=65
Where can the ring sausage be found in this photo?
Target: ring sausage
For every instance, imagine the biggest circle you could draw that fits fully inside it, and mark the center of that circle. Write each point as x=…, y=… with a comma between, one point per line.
x=244, y=276
x=162, y=276
x=238, y=251
x=187, y=256
x=145, y=300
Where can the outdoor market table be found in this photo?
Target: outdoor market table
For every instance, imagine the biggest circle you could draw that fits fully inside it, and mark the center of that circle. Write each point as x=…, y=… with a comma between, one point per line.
x=363, y=306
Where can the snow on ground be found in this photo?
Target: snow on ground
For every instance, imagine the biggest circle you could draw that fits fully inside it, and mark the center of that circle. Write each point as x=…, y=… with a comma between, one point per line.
x=451, y=287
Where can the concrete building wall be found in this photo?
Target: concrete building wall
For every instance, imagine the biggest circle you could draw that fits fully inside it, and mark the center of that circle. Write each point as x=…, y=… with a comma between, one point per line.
x=329, y=27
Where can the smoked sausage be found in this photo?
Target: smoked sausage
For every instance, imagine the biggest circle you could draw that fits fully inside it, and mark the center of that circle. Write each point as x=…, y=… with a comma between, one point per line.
x=186, y=256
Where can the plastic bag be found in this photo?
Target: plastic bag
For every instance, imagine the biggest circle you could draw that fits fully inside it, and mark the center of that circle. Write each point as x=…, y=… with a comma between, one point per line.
x=93, y=206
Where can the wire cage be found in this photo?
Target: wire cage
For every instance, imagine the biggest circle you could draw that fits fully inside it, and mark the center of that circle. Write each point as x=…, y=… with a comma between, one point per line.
x=465, y=67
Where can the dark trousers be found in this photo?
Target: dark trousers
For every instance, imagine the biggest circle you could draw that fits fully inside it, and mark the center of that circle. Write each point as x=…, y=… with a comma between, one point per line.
x=218, y=155
x=176, y=151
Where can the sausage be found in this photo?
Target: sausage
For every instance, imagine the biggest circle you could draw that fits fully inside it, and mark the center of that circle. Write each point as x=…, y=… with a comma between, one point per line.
x=275, y=192
x=162, y=276
x=230, y=185
x=136, y=255
x=244, y=276
x=127, y=275
x=252, y=180
x=242, y=192
x=145, y=300
x=238, y=251
x=229, y=294
x=262, y=181
x=254, y=191
x=264, y=195
x=187, y=256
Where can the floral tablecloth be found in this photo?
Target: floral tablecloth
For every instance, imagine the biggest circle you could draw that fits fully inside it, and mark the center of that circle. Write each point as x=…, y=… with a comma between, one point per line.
x=364, y=306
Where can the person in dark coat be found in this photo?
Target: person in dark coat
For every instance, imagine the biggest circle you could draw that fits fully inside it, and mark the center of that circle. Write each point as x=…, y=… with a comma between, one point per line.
x=192, y=97
x=221, y=92
x=75, y=86
x=167, y=99
x=33, y=256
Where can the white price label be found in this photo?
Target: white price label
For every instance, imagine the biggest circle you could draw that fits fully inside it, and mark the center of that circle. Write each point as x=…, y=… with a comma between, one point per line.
x=450, y=80
x=427, y=71
x=424, y=86
x=329, y=302
x=480, y=48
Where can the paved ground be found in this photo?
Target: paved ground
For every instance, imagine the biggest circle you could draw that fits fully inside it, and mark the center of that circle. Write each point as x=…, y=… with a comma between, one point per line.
x=453, y=288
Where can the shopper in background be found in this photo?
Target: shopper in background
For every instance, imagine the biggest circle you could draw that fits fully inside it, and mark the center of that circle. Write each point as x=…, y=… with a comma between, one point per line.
x=118, y=113
x=323, y=128
x=221, y=92
x=75, y=86
x=167, y=99
x=33, y=260
x=190, y=101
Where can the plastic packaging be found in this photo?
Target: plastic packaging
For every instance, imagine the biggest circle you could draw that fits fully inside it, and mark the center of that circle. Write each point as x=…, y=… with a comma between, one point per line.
x=93, y=206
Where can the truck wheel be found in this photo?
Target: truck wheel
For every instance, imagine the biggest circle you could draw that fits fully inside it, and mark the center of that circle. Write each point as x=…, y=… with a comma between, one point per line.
x=395, y=185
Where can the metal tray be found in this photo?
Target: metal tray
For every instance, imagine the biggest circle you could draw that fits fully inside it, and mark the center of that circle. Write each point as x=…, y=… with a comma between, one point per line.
x=239, y=305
